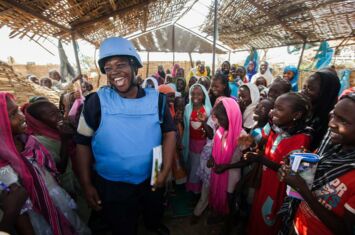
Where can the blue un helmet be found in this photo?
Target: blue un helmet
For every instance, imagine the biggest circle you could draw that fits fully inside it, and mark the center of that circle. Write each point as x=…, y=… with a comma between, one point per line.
x=117, y=46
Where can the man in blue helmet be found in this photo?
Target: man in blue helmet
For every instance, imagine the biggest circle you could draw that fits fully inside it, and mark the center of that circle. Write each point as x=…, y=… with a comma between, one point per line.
x=118, y=129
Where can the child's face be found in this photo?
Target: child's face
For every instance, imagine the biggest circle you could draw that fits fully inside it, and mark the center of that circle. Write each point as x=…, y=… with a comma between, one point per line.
x=244, y=96
x=179, y=103
x=261, y=111
x=205, y=82
x=47, y=83
x=180, y=85
x=263, y=67
x=201, y=68
x=288, y=75
x=17, y=119
x=197, y=96
x=170, y=97
x=192, y=81
x=217, y=87
x=311, y=88
x=225, y=68
x=275, y=91
x=179, y=114
x=220, y=117
x=180, y=73
x=150, y=84
x=251, y=66
x=261, y=82
x=240, y=72
x=342, y=123
x=282, y=115
x=52, y=116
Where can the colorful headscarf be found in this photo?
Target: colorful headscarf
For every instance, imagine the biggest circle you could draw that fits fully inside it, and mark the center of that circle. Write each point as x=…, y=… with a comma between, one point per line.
x=30, y=178
x=294, y=80
x=175, y=69
x=155, y=82
x=166, y=89
x=224, y=144
x=267, y=75
x=187, y=115
x=248, y=121
x=36, y=127
x=250, y=74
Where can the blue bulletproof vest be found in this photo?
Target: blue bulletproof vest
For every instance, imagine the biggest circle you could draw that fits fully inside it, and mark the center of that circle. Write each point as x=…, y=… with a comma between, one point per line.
x=129, y=130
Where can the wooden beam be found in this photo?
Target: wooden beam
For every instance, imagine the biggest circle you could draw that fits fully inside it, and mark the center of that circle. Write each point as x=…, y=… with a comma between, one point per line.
x=25, y=9
x=80, y=25
x=33, y=13
x=260, y=8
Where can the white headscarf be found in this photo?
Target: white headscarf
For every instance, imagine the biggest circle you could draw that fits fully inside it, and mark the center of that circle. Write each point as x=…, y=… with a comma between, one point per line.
x=155, y=82
x=267, y=75
x=248, y=121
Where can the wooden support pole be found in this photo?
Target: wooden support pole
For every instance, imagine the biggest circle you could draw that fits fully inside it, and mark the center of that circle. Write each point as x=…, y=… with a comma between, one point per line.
x=301, y=56
x=173, y=44
x=76, y=54
x=147, y=73
x=214, y=37
x=191, y=62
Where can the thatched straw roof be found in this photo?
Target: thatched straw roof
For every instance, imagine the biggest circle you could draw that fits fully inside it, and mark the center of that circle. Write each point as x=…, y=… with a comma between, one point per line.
x=244, y=24
x=21, y=88
x=174, y=39
x=91, y=20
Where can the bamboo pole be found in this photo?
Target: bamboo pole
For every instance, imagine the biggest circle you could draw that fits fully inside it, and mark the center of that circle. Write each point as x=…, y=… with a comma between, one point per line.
x=214, y=38
x=147, y=73
x=301, y=56
x=76, y=54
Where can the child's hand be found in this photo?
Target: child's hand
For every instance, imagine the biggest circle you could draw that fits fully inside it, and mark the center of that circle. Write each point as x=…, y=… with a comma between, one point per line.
x=294, y=179
x=14, y=200
x=246, y=141
x=252, y=156
x=65, y=129
x=211, y=163
x=92, y=197
x=202, y=117
x=219, y=169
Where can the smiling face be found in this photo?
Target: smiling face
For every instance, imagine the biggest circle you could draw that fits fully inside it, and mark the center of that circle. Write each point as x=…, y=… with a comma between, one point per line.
x=217, y=87
x=262, y=109
x=17, y=119
x=119, y=74
x=180, y=85
x=342, y=123
x=197, y=96
x=226, y=68
x=311, y=88
x=283, y=114
x=240, y=72
x=251, y=66
x=288, y=75
x=244, y=98
x=263, y=67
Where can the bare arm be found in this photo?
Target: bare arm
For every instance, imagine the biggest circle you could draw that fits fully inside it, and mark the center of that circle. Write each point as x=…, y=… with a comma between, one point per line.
x=82, y=168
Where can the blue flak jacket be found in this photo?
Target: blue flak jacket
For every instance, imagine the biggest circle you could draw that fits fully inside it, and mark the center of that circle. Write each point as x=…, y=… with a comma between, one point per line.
x=129, y=130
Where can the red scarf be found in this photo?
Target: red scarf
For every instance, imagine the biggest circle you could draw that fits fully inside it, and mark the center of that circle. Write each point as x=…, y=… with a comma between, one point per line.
x=30, y=178
x=36, y=127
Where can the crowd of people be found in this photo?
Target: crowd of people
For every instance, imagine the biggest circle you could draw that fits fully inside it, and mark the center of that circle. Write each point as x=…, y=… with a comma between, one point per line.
x=227, y=137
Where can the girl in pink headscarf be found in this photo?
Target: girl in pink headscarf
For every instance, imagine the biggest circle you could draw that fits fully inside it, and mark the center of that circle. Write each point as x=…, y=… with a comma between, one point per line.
x=229, y=119
x=23, y=159
x=175, y=69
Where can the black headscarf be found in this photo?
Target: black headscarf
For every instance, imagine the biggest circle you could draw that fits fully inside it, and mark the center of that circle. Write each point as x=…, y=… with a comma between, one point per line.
x=329, y=89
